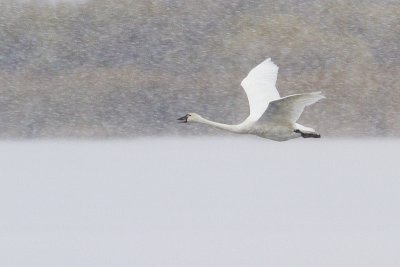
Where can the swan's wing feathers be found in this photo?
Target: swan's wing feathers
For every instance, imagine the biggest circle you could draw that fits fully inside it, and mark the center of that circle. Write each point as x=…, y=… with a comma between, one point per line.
x=260, y=89
x=288, y=109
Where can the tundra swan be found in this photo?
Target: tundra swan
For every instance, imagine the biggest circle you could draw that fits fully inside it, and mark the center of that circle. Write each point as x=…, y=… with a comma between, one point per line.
x=271, y=116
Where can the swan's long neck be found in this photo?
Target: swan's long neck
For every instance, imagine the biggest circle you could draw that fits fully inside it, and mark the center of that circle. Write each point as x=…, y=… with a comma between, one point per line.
x=227, y=127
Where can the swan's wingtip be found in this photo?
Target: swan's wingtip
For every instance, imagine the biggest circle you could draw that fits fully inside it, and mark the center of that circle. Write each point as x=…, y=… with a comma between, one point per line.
x=269, y=62
x=319, y=93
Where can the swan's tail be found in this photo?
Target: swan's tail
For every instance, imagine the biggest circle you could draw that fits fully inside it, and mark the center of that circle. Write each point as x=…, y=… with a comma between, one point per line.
x=306, y=132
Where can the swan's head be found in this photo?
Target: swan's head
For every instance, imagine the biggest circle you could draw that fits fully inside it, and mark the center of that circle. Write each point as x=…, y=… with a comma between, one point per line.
x=190, y=117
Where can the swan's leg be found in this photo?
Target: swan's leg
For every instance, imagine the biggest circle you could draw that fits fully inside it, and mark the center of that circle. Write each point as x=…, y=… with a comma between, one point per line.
x=308, y=134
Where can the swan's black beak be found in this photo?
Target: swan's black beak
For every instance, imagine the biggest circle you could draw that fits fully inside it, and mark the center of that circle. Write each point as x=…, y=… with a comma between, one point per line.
x=183, y=119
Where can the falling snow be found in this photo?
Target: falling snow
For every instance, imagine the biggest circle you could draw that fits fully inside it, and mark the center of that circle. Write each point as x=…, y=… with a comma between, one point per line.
x=125, y=68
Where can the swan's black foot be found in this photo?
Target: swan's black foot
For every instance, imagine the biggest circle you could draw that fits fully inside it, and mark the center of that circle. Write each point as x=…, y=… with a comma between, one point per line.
x=308, y=135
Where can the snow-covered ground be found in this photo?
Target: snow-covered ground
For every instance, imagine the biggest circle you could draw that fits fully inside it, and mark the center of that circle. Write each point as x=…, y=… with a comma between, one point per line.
x=237, y=201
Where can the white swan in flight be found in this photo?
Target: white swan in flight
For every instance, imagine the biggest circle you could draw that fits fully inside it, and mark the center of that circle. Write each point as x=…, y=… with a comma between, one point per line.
x=270, y=116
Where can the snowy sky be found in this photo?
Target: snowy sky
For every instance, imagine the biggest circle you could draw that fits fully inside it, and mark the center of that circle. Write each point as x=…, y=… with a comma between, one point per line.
x=52, y=1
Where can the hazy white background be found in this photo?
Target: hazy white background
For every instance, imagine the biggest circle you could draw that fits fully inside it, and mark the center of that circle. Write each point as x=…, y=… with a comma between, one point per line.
x=241, y=201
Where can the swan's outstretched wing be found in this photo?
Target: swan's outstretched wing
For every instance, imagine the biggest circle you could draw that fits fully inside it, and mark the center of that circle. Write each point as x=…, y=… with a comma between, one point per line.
x=288, y=109
x=260, y=89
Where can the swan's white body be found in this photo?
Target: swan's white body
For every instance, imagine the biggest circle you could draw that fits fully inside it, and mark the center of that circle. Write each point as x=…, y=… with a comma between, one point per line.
x=270, y=116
